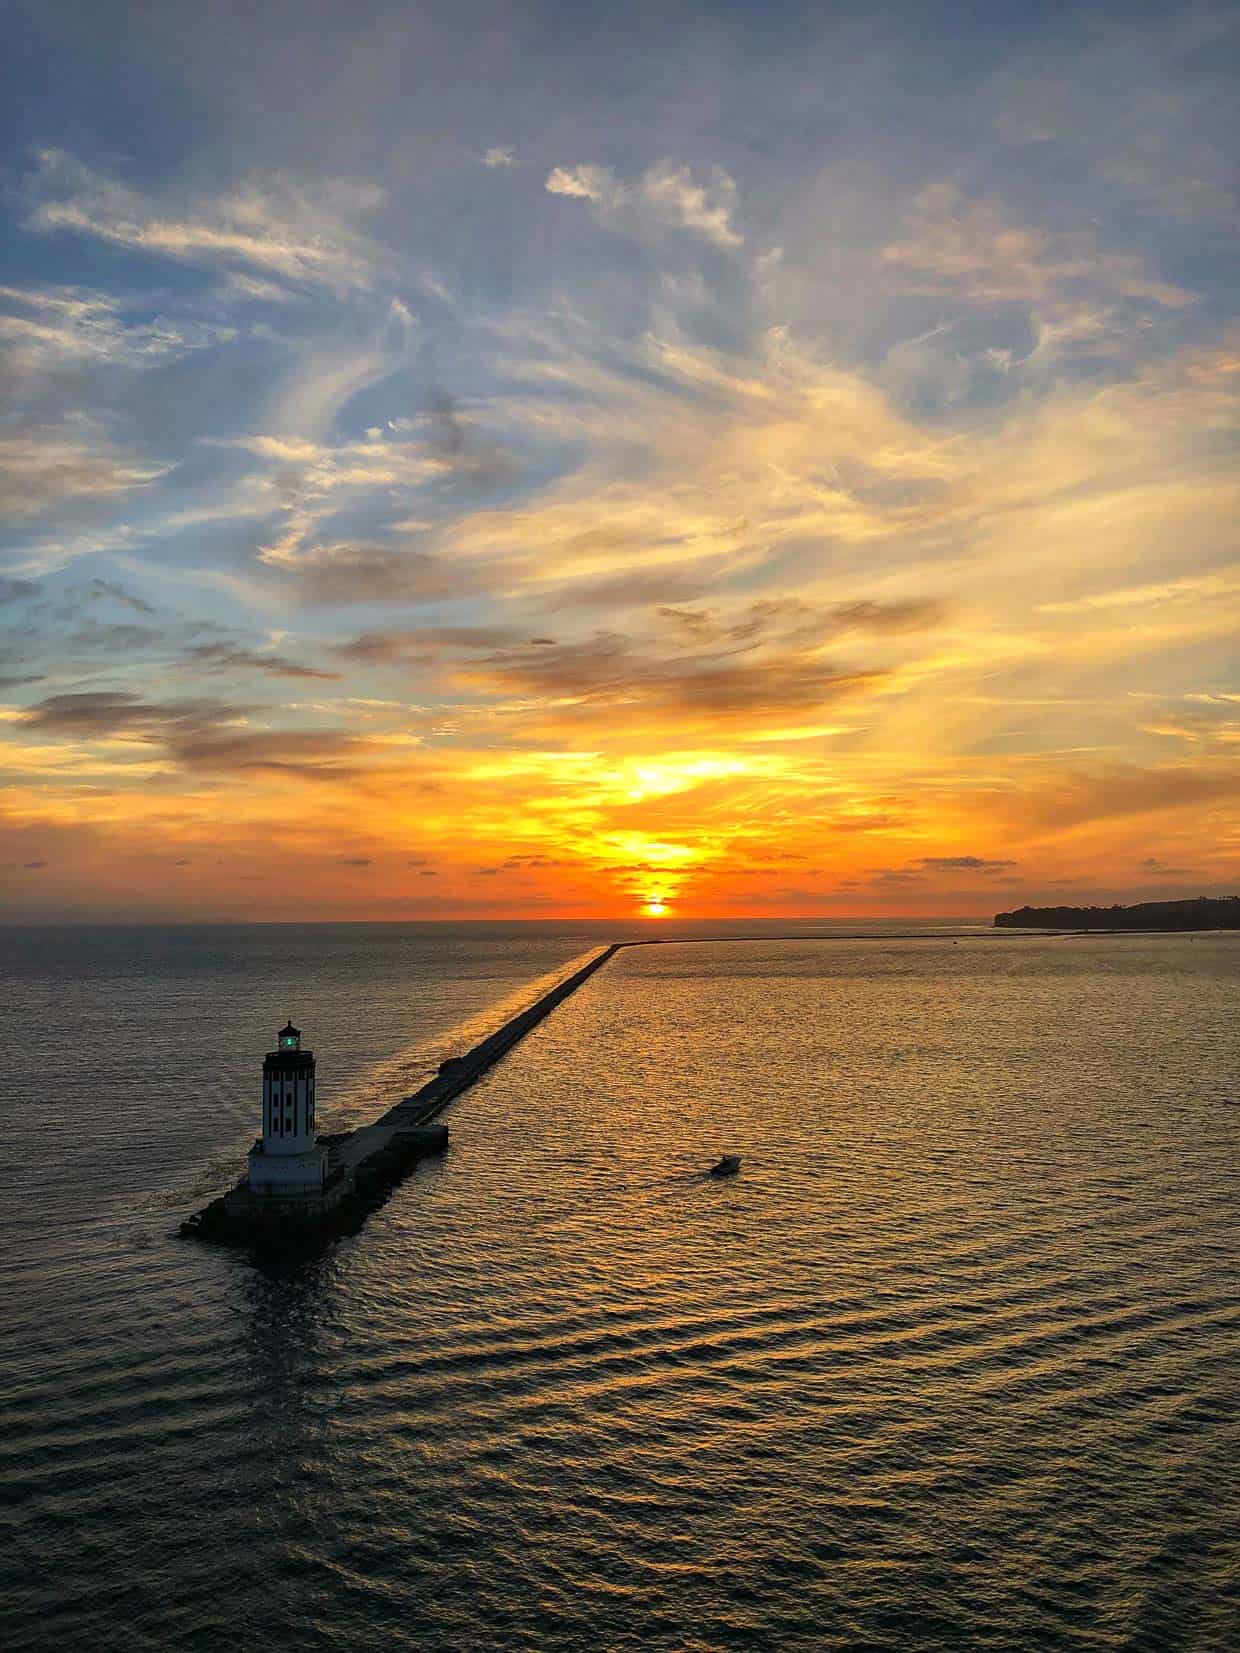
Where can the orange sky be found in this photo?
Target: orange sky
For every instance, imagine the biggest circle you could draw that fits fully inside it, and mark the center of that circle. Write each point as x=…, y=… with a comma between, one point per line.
x=573, y=514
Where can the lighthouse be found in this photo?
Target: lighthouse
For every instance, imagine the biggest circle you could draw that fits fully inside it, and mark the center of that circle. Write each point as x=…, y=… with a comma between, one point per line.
x=287, y=1159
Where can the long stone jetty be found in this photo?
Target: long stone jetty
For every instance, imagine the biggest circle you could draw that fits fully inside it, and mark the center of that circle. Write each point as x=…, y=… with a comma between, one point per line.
x=459, y=1072
x=363, y=1165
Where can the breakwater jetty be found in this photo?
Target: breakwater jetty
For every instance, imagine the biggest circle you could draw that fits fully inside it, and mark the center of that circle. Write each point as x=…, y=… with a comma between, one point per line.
x=302, y=1188
x=357, y=1169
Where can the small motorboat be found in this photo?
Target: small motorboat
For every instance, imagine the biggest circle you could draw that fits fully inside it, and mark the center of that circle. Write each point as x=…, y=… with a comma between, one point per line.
x=728, y=1166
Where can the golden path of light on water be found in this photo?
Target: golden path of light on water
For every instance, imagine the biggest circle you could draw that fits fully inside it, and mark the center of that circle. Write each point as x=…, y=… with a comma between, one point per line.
x=948, y=1363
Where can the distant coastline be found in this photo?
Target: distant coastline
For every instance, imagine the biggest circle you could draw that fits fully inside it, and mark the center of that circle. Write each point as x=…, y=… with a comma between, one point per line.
x=1202, y=912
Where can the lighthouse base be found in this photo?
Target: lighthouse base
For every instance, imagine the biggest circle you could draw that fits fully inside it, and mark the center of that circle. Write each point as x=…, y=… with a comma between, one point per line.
x=362, y=1167
x=281, y=1174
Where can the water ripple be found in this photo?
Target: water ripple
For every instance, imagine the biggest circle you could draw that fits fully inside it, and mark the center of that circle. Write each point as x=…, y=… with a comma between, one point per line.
x=955, y=1362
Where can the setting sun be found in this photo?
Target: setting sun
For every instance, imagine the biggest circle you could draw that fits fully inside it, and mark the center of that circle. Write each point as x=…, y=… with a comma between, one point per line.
x=802, y=561
x=483, y=483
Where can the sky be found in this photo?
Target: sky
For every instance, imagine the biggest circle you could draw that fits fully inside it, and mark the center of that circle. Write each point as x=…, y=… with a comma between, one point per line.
x=560, y=460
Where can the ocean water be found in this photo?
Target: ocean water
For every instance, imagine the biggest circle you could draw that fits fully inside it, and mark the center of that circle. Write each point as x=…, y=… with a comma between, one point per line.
x=953, y=1363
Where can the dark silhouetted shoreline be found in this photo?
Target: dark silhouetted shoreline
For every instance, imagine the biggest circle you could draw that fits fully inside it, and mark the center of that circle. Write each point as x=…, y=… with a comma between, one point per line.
x=1200, y=913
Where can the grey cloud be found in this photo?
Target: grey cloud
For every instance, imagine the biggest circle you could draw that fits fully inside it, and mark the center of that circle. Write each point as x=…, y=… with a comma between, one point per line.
x=453, y=442
x=447, y=434
x=119, y=594
x=795, y=620
x=421, y=645
x=635, y=590
x=963, y=863
x=314, y=754
x=608, y=669
x=911, y=615
x=94, y=714
x=344, y=574
x=221, y=656
x=121, y=637
x=355, y=860
x=694, y=624
x=198, y=734
x=15, y=591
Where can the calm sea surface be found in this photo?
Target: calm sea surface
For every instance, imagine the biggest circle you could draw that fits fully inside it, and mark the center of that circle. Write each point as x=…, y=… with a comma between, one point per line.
x=953, y=1363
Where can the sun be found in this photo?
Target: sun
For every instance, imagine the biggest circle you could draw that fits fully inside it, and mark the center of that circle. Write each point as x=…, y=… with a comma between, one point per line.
x=655, y=908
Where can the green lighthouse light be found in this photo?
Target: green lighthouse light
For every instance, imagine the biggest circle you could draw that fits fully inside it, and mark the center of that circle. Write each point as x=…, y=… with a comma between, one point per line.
x=289, y=1037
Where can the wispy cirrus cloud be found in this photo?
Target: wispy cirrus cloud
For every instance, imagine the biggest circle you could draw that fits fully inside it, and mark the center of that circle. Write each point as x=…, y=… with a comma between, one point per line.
x=307, y=235
x=1193, y=588
x=42, y=467
x=797, y=490
x=954, y=244
x=54, y=330
x=665, y=196
x=1081, y=299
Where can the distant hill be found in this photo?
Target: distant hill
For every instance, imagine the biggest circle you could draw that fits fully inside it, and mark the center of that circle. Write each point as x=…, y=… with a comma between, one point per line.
x=1202, y=912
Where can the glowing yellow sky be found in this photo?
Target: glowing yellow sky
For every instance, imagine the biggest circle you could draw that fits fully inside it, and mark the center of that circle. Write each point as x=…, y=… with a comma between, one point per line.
x=696, y=532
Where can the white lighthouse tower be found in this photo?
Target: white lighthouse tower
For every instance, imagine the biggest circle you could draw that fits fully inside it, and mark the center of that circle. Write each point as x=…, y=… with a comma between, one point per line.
x=288, y=1160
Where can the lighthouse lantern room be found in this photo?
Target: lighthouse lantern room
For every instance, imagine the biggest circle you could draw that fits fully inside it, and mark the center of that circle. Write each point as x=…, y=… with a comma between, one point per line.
x=287, y=1159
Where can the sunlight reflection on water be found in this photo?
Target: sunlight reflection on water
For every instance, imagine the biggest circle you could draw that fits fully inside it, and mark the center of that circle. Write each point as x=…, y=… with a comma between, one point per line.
x=953, y=1362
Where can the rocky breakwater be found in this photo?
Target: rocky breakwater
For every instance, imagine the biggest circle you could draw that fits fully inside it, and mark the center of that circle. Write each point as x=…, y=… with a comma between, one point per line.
x=365, y=1165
